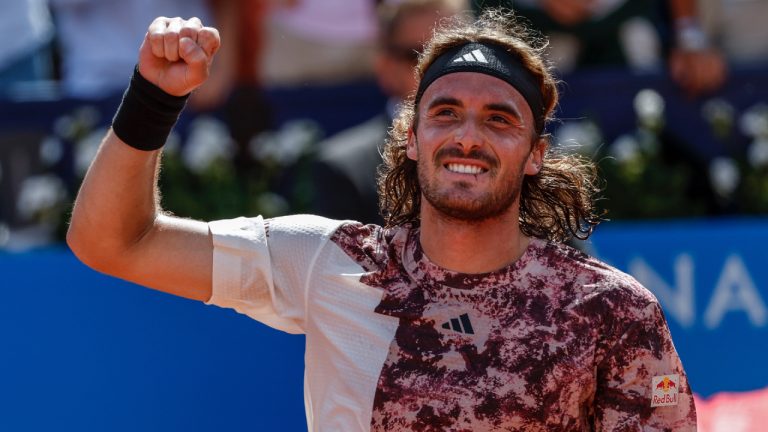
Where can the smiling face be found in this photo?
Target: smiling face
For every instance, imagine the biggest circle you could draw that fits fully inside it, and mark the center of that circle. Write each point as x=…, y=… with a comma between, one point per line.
x=473, y=145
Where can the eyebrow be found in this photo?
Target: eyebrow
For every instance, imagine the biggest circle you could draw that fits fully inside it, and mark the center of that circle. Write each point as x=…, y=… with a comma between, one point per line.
x=505, y=108
x=444, y=100
x=500, y=107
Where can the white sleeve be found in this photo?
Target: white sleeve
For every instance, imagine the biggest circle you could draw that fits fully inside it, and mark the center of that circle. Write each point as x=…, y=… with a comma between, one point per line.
x=265, y=275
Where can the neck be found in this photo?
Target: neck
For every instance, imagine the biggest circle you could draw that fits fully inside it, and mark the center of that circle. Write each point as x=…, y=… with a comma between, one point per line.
x=471, y=247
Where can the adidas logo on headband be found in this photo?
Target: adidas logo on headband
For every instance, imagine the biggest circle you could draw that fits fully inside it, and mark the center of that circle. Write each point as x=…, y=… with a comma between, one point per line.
x=474, y=56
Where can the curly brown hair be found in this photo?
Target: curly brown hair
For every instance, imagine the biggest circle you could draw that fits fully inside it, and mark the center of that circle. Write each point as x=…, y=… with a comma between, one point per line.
x=555, y=204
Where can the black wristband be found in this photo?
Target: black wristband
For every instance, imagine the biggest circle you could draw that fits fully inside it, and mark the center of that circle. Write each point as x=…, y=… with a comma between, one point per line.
x=147, y=114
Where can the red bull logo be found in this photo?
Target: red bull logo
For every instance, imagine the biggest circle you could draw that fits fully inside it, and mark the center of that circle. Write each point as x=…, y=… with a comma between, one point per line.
x=664, y=390
x=666, y=384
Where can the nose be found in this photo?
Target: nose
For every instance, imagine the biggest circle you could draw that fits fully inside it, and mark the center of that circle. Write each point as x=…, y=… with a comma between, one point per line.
x=468, y=136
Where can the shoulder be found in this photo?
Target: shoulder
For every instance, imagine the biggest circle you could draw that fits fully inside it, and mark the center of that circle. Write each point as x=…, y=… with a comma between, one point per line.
x=612, y=301
x=301, y=225
x=353, y=238
x=286, y=231
x=302, y=237
x=593, y=281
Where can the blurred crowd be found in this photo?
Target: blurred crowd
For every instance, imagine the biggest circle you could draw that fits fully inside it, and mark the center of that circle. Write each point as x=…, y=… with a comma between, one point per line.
x=85, y=50
x=88, y=44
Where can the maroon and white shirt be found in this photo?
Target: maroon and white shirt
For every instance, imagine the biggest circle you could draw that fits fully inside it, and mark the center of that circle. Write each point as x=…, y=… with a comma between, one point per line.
x=557, y=341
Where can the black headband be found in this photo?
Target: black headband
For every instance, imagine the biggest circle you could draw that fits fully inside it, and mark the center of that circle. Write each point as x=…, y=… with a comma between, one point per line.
x=491, y=60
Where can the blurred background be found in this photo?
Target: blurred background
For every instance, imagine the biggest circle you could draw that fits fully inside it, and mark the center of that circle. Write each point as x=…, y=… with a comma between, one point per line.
x=669, y=97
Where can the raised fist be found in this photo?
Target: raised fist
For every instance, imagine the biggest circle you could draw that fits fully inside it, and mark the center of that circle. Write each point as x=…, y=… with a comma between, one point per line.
x=176, y=54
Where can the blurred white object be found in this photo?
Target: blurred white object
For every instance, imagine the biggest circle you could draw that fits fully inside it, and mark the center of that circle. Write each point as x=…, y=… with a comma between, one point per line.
x=641, y=45
x=51, y=150
x=286, y=145
x=649, y=107
x=754, y=121
x=208, y=141
x=724, y=175
x=757, y=154
x=39, y=193
x=583, y=135
x=626, y=148
x=86, y=149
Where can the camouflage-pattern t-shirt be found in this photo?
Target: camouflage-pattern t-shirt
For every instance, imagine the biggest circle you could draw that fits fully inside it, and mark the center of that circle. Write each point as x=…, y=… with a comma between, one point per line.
x=557, y=341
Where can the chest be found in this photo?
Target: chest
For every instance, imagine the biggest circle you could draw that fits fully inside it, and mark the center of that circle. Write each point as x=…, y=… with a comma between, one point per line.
x=501, y=358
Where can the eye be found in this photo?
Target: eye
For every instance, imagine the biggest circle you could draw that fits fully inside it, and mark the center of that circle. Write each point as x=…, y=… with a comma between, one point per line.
x=443, y=112
x=497, y=118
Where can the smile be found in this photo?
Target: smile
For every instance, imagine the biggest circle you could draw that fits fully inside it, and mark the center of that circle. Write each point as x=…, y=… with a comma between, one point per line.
x=464, y=169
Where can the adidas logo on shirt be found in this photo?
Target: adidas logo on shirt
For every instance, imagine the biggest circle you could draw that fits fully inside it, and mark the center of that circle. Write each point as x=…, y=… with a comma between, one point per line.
x=474, y=56
x=460, y=324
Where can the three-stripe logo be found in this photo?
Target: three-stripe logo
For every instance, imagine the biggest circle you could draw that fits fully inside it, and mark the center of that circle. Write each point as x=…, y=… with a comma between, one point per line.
x=460, y=324
x=474, y=56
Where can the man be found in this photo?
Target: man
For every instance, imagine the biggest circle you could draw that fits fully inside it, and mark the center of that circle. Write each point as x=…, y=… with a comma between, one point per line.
x=465, y=312
x=344, y=174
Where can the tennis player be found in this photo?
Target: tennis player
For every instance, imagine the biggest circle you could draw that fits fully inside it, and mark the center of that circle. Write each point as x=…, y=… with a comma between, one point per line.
x=465, y=312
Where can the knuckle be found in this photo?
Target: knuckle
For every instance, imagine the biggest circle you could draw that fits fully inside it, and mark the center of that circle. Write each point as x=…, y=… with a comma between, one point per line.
x=159, y=21
x=187, y=31
x=209, y=33
x=175, y=24
x=155, y=36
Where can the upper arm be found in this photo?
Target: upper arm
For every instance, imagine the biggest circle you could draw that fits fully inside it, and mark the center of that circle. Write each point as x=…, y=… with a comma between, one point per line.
x=174, y=256
x=118, y=228
x=262, y=268
x=642, y=351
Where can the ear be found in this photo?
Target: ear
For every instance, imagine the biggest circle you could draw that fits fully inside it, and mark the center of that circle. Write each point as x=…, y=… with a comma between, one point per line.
x=410, y=147
x=536, y=157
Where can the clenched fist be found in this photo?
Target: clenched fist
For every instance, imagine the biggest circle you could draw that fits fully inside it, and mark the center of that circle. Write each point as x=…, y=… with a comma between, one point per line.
x=176, y=54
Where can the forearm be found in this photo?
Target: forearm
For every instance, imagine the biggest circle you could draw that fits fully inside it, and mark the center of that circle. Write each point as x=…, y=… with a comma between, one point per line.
x=117, y=224
x=117, y=204
x=119, y=196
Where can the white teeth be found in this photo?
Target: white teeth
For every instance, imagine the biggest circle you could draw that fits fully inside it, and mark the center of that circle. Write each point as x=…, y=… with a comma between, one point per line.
x=464, y=169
